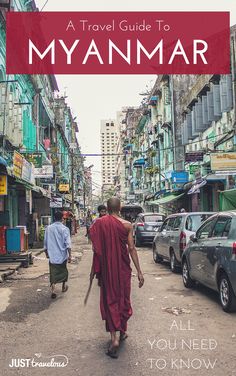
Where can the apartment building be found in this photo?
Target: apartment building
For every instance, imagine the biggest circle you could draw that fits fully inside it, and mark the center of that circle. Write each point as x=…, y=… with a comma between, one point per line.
x=108, y=139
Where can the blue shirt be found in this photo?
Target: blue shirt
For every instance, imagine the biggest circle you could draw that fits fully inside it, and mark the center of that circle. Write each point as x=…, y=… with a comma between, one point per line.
x=56, y=242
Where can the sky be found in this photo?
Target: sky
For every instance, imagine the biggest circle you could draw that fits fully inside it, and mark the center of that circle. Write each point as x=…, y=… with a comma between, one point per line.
x=96, y=97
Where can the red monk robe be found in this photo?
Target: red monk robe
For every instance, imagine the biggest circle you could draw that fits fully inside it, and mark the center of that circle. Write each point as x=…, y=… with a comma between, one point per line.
x=111, y=263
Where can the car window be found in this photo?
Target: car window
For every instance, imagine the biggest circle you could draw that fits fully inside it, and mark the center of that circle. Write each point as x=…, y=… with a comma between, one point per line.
x=193, y=222
x=171, y=223
x=165, y=224
x=222, y=227
x=206, y=230
x=153, y=218
x=177, y=223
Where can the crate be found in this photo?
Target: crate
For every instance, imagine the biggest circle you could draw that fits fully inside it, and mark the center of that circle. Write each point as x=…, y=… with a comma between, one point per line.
x=15, y=240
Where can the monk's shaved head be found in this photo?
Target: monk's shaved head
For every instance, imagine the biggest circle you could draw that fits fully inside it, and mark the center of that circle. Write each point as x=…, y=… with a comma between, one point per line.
x=113, y=205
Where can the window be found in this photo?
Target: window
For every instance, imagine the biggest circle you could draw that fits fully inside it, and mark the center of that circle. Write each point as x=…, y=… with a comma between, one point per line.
x=193, y=222
x=170, y=225
x=222, y=227
x=177, y=223
x=165, y=224
x=205, y=231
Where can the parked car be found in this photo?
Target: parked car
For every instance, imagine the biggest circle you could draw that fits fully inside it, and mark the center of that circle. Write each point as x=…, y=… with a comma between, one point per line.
x=146, y=226
x=173, y=236
x=210, y=258
x=130, y=212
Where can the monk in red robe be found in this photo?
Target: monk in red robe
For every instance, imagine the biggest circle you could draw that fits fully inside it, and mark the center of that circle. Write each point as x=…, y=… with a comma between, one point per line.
x=113, y=243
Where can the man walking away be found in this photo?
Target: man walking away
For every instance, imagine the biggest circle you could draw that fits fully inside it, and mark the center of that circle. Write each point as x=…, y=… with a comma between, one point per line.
x=112, y=239
x=57, y=246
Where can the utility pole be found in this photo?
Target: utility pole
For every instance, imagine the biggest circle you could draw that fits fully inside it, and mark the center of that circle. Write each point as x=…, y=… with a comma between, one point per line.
x=171, y=85
x=72, y=183
x=84, y=196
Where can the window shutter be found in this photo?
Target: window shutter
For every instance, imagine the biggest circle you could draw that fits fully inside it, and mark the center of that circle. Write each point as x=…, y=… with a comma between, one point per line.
x=184, y=133
x=189, y=125
x=210, y=106
x=199, y=118
x=194, y=129
x=223, y=94
x=216, y=101
x=229, y=91
x=205, y=111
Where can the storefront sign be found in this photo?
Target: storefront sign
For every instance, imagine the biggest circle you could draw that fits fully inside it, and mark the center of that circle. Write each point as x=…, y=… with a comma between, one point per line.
x=26, y=171
x=35, y=159
x=194, y=156
x=44, y=172
x=223, y=161
x=17, y=164
x=64, y=187
x=179, y=177
x=3, y=185
x=28, y=198
x=193, y=169
x=56, y=202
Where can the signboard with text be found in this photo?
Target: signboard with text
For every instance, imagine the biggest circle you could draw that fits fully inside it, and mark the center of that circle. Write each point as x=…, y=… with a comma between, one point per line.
x=56, y=202
x=194, y=156
x=3, y=185
x=17, y=164
x=35, y=159
x=64, y=187
x=223, y=161
x=44, y=172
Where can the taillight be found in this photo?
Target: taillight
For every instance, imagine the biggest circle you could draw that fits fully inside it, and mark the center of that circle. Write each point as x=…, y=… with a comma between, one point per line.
x=182, y=241
x=140, y=224
x=234, y=249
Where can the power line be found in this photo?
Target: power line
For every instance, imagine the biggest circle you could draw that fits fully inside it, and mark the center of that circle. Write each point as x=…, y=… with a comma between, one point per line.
x=82, y=155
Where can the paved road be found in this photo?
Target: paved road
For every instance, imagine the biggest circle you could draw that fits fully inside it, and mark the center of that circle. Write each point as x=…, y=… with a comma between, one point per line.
x=199, y=341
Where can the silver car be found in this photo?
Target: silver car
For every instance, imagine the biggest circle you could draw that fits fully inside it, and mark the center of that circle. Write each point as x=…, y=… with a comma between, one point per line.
x=173, y=236
x=210, y=258
x=146, y=226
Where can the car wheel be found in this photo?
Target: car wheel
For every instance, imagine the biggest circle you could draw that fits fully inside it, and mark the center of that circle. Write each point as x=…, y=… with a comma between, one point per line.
x=227, y=297
x=137, y=242
x=187, y=280
x=173, y=262
x=157, y=259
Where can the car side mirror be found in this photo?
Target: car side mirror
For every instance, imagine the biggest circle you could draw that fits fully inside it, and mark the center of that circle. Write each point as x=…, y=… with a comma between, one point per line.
x=193, y=238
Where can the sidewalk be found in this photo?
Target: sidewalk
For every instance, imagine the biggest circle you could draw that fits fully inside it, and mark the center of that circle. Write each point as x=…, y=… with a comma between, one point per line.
x=78, y=242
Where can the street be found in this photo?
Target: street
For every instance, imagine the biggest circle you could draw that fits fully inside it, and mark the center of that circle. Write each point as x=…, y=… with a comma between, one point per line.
x=191, y=338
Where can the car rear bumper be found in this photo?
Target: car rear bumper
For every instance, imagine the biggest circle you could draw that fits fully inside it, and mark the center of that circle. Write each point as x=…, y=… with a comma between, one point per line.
x=146, y=237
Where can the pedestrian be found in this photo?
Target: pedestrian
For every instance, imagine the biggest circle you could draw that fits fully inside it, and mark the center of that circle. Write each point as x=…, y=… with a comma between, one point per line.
x=88, y=222
x=57, y=246
x=112, y=239
x=102, y=210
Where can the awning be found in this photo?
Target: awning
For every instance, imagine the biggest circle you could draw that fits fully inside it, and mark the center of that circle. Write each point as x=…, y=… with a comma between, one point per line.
x=165, y=200
x=228, y=200
x=139, y=162
x=141, y=123
x=198, y=184
x=3, y=161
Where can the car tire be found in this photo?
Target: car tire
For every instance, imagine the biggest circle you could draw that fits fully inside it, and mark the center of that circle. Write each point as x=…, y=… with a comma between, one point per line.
x=187, y=280
x=173, y=262
x=137, y=242
x=227, y=297
x=157, y=259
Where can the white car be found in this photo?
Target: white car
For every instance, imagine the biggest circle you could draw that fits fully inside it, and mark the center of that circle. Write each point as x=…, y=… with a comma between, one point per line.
x=173, y=236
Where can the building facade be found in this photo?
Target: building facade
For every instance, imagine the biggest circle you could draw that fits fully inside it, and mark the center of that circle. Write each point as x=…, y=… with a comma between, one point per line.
x=108, y=139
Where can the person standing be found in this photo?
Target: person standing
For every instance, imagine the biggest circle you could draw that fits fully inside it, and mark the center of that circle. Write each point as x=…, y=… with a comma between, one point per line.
x=102, y=210
x=112, y=239
x=57, y=246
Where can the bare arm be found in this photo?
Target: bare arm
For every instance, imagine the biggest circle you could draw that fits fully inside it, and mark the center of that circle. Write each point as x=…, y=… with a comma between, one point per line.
x=134, y=255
